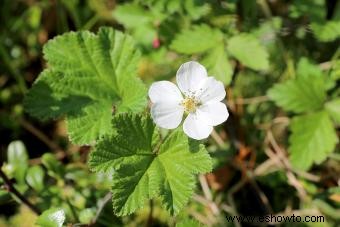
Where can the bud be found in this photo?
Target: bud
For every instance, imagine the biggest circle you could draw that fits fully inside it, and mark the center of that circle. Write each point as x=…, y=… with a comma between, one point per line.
x=156, y=43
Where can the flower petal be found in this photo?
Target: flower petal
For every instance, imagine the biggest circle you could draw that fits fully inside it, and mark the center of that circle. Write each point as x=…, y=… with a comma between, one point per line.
x=167, y=115
x=190, y=75
x=211, y=91
x=164, y=91
x=195, y=128
x=213, y=113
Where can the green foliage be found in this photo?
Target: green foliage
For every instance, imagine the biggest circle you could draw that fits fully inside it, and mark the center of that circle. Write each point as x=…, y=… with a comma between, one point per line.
x=326, y=32
x=88, y=76
x=89, y=79
x=35, y=178
x=53, y=217
x=18, y=160
x=196, y=40
x=299, y=95
x=204, y=39
x=333, y=109
x=132, y=15
x=218, y=64
x=188, y=223
x=53, y=166
x=86, y=216
x=146, y=166
x=313, y=138
x=247, y=49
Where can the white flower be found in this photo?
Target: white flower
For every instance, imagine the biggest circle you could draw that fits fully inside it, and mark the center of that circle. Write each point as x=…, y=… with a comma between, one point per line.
x=201, y=100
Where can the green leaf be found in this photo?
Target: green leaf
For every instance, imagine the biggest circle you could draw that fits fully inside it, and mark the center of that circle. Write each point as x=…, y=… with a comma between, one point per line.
x=54, y=167
x=299, y=95
x=53, y=217
x=248, y=50
x=313, y=138
x=326, y=32
x=145, y=167
x=305, y=68
x=35, y=178
x=196, y=9
x=88, y=76
x=188, y=223
x=18, y=159
x=86, y=216
x=333, y=109
x=218, y=64
x=196, y=40
x=132, y=15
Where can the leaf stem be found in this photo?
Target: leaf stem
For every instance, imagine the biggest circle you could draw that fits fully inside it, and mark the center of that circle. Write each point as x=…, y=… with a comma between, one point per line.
x=12, y=189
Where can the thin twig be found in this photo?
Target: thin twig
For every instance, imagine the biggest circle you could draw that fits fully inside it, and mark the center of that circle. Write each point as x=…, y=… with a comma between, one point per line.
x=101, y=206
x=10, y=187
x=217, y=139
x=230, y=196
x=201, y=218
x=39, y=134
x=59, y=153
x=282, y=157
x=208, y=195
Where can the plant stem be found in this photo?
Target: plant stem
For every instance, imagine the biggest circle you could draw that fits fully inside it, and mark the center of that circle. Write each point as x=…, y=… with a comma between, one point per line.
x=102, y=204
x=12, y=189
x=150, y=218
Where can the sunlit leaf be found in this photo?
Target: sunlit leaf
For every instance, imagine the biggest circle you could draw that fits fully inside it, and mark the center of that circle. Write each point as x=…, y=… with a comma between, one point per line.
x=326, y=32
x=333, y=108
x=299, y=95
x=18, y=159
x=196, y=40
x=313, y=138
x=248, y=50
x=53, y=217
x=89, y=77
x=218, y=64
x=145, y=166
x=35, y=178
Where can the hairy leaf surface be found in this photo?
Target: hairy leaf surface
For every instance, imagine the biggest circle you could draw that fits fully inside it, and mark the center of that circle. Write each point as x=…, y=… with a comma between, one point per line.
x=88, y=77
x=146, y=166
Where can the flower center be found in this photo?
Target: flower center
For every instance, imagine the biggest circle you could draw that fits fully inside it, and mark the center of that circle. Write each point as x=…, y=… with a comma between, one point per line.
x=190, y=104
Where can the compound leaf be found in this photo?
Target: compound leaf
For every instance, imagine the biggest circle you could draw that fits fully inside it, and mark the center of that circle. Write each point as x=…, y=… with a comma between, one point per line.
x=88, y=76
x=313, y=138
x=144, y=166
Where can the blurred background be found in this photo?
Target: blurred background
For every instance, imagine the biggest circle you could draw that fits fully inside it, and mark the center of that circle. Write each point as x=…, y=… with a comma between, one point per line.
x=51, y=172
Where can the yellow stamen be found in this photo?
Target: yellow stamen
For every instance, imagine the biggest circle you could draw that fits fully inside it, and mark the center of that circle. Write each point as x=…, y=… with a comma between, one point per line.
x=189, y=104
